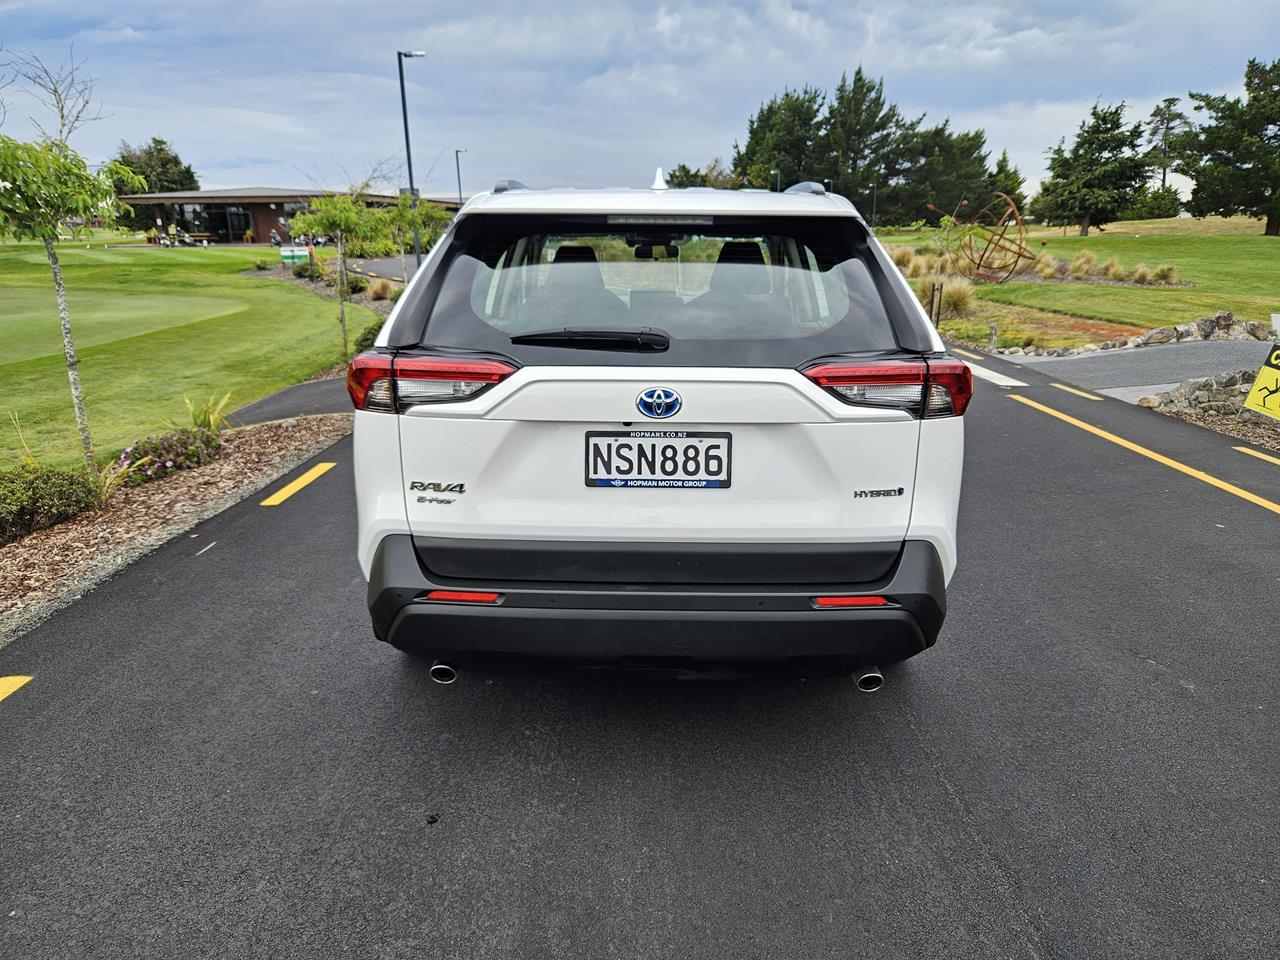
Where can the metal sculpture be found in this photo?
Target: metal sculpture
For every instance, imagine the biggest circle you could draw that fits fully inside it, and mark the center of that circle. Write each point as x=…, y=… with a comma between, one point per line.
x=995, y=242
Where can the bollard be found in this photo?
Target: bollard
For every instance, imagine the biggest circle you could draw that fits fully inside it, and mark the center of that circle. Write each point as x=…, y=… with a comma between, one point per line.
x=1275, y=324
x=991, y=337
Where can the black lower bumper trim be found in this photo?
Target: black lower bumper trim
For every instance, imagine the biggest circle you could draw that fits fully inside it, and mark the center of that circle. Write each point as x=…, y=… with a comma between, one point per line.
x=670, y=625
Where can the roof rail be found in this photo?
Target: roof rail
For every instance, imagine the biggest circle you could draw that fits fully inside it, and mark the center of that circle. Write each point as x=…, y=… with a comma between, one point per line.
x=502, y=186
x=807, y=186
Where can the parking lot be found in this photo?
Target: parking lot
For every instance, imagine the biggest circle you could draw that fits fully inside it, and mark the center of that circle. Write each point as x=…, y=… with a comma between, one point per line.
x=214, y=757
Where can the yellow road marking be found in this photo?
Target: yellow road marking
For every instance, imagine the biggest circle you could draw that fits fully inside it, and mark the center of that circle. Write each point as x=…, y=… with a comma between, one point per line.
x=1152, y=455
x=289, y=489
x=1261, y=456
x=1078, y=393
x=9, y=685
x=966, y=353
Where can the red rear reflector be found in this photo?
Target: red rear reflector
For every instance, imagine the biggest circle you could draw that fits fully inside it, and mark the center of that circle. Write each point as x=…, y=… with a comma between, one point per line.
x=461, y=596
x=850, y=602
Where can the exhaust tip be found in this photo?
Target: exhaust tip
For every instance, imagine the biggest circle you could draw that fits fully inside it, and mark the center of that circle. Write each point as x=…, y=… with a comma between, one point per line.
x=443, y=672
x=869, y=680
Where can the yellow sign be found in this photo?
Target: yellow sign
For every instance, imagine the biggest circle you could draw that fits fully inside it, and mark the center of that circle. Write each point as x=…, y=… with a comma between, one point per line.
x=1265, y=395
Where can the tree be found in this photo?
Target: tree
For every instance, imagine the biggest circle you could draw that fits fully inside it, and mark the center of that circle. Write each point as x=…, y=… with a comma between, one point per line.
x=45, y=189
x=783, y=136
x=161, y=167
x=938, y=170
x=1234, y=158
x=716, y=175
x=1099, y=177
x=1154, y=203
x=345, y=217
x=404, y=216
x=64, y=91
x=863, y=140
x=1164, y=130
x=1006, y=179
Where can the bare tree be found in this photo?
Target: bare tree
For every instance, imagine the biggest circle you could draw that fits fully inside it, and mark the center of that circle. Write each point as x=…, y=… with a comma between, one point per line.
x=5, y=80
x=65, y=91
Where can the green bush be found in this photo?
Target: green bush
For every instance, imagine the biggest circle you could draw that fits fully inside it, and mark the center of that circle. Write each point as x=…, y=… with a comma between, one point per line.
x=395, y=294
x=379, y=289
x=370, y=249
x=262, y=264
x=34, y=497
x=1154, y=203
x=356, y=284
x=365, y=340
x=1165, y=273
x=169, y=453
x=304, y=270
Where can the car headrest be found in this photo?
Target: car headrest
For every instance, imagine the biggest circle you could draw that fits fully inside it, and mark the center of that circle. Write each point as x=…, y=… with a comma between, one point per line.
x=746, y=273
x=575, y=254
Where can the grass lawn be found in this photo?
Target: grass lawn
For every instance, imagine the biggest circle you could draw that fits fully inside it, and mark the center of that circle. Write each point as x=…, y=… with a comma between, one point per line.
x=151, y=325
x=1231, y=265
x=1231, y=269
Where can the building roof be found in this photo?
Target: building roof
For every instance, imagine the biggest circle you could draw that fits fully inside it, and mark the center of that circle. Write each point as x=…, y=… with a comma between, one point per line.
x=242, y=195
x=690, y=201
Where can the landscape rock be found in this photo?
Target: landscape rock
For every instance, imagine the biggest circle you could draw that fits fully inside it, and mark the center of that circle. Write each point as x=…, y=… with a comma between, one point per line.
x=1205, y=327
x=1089, y=348
x=1159, y=335
x=1134, y=342
x=1185, y=331
x=1259, y=331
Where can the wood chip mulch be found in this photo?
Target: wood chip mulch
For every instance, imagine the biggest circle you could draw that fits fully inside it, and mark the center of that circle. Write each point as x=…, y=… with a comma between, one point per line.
x=50, y=568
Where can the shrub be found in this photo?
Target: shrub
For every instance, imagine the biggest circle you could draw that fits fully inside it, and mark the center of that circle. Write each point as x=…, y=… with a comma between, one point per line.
x=957, y=298
x=211, y=415
x=1112, y=270
x=379, y=289
x=1047, y=271
x=356, y=284
x=902, y=256
x=1082, y=263
x=365, y=340
x=924, y=288
x=305, y=270
x=1165, y=273
x=1141, y=274
x=33, y=497
x=261, y=264
x=370, y=249
x=169, y=453
x=395, y=294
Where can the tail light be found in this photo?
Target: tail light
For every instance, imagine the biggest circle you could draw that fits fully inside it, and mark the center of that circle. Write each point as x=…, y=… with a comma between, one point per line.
x=461, y=596
x=899, y=384
x=380, y=382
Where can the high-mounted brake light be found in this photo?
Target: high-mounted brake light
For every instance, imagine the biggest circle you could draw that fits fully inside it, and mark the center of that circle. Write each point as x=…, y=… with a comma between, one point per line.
x=850, y=602
x=899, y=384
x=460, y=596
x=378, y=382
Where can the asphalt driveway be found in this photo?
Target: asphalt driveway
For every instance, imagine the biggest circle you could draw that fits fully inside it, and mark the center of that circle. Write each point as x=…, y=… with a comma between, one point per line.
x=214, y=758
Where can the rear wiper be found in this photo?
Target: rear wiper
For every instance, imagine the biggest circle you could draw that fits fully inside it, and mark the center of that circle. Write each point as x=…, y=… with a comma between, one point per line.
x=644, y=338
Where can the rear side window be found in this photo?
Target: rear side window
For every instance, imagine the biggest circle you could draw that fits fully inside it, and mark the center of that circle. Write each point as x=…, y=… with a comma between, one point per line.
x=765, y=292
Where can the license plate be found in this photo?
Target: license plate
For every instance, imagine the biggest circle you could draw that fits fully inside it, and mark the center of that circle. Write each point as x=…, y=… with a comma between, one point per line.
x=659, y=459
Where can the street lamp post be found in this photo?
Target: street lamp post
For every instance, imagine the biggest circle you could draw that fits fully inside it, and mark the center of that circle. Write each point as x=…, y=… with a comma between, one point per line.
x=408, y=151
x=457, y=166
x=777, y=180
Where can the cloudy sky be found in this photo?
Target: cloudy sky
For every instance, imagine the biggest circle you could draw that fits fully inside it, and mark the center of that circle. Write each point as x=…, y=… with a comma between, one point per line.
x=598, y=93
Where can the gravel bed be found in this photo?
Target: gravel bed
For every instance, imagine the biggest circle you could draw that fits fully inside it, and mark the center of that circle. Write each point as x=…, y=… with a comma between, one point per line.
x=51, y=568
x=1259, y=432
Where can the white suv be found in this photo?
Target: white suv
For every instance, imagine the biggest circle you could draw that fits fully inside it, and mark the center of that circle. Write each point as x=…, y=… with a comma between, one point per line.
x=677, y=430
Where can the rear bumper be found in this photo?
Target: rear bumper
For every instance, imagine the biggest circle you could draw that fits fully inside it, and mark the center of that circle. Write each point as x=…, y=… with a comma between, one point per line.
x=682, y=627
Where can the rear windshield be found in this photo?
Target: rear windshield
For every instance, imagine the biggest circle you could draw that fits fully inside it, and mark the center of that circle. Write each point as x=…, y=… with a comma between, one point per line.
x=772, y=292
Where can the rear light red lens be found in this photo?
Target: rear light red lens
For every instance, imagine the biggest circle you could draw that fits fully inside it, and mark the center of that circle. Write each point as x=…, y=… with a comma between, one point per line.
x=850, y=602
x=363, y=372
x=956, y=380
x=378, y=382
x=883, y=383
x=461, y=596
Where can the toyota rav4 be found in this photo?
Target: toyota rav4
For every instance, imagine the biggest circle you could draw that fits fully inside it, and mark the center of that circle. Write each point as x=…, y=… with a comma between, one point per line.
x=681, y=430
